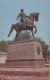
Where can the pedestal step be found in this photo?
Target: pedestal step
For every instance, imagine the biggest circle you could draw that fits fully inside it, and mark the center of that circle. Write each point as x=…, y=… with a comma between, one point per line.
x=25, y=63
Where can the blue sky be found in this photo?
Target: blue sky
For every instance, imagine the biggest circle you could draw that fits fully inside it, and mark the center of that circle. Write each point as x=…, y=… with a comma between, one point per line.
x=9, y=9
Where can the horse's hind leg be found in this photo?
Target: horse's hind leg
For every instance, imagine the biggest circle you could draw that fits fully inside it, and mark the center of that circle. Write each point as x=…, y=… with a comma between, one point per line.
x=10, y=31
x=32, y=33
x=16, y=36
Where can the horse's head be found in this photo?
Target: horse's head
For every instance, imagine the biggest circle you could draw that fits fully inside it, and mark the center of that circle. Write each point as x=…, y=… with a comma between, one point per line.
x=34, y=16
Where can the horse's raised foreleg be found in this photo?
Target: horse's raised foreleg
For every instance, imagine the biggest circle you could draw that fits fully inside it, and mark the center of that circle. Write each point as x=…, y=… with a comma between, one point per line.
x=11, y=30
x=35, y=29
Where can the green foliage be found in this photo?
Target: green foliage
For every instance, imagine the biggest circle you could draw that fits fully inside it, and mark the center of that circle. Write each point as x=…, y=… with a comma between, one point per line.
x=24, y=36
x=4, y=45
x=45, y=49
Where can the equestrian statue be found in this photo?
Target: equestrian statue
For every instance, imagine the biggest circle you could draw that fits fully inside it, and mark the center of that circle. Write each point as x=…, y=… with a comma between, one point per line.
x=25, y=23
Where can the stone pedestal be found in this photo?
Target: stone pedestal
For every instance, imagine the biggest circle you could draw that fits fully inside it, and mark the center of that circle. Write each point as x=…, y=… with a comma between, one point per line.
x=25, y=54
x=24, y=62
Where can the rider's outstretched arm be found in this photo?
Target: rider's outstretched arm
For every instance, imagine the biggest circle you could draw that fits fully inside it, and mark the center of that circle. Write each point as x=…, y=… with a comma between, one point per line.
x=18, y=17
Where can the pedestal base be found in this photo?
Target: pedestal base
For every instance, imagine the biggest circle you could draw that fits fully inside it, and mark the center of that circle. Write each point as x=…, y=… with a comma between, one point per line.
x=24, y=73
x=25, y=63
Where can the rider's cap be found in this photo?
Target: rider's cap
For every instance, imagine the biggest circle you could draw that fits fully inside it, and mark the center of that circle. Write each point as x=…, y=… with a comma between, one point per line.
x=22, y=10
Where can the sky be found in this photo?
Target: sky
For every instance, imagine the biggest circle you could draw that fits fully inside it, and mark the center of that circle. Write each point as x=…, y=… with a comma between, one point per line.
x=9, y=10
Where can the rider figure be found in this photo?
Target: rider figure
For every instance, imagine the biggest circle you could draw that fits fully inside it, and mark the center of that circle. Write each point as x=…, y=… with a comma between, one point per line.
x=22, y=17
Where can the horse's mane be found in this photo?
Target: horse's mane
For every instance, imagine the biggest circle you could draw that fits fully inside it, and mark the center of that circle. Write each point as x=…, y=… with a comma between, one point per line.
x=32, y=13
x=35, y=15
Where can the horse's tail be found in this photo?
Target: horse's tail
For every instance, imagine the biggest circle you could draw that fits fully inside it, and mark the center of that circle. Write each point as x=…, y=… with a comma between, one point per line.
x=11, y=29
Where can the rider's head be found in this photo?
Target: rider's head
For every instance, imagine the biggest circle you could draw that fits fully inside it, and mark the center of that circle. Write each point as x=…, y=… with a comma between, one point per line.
x=22, y=10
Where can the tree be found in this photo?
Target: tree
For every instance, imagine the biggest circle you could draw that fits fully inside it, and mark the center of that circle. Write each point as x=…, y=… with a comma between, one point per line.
x=24, y=36
x=45, y=49
x=4, y=45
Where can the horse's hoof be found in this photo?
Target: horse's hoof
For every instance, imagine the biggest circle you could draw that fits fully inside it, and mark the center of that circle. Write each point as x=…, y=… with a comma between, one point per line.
x=35, y=31
x=7, y=36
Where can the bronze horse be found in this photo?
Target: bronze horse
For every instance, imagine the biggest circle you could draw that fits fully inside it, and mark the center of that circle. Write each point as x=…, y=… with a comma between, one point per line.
x=29, y=25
